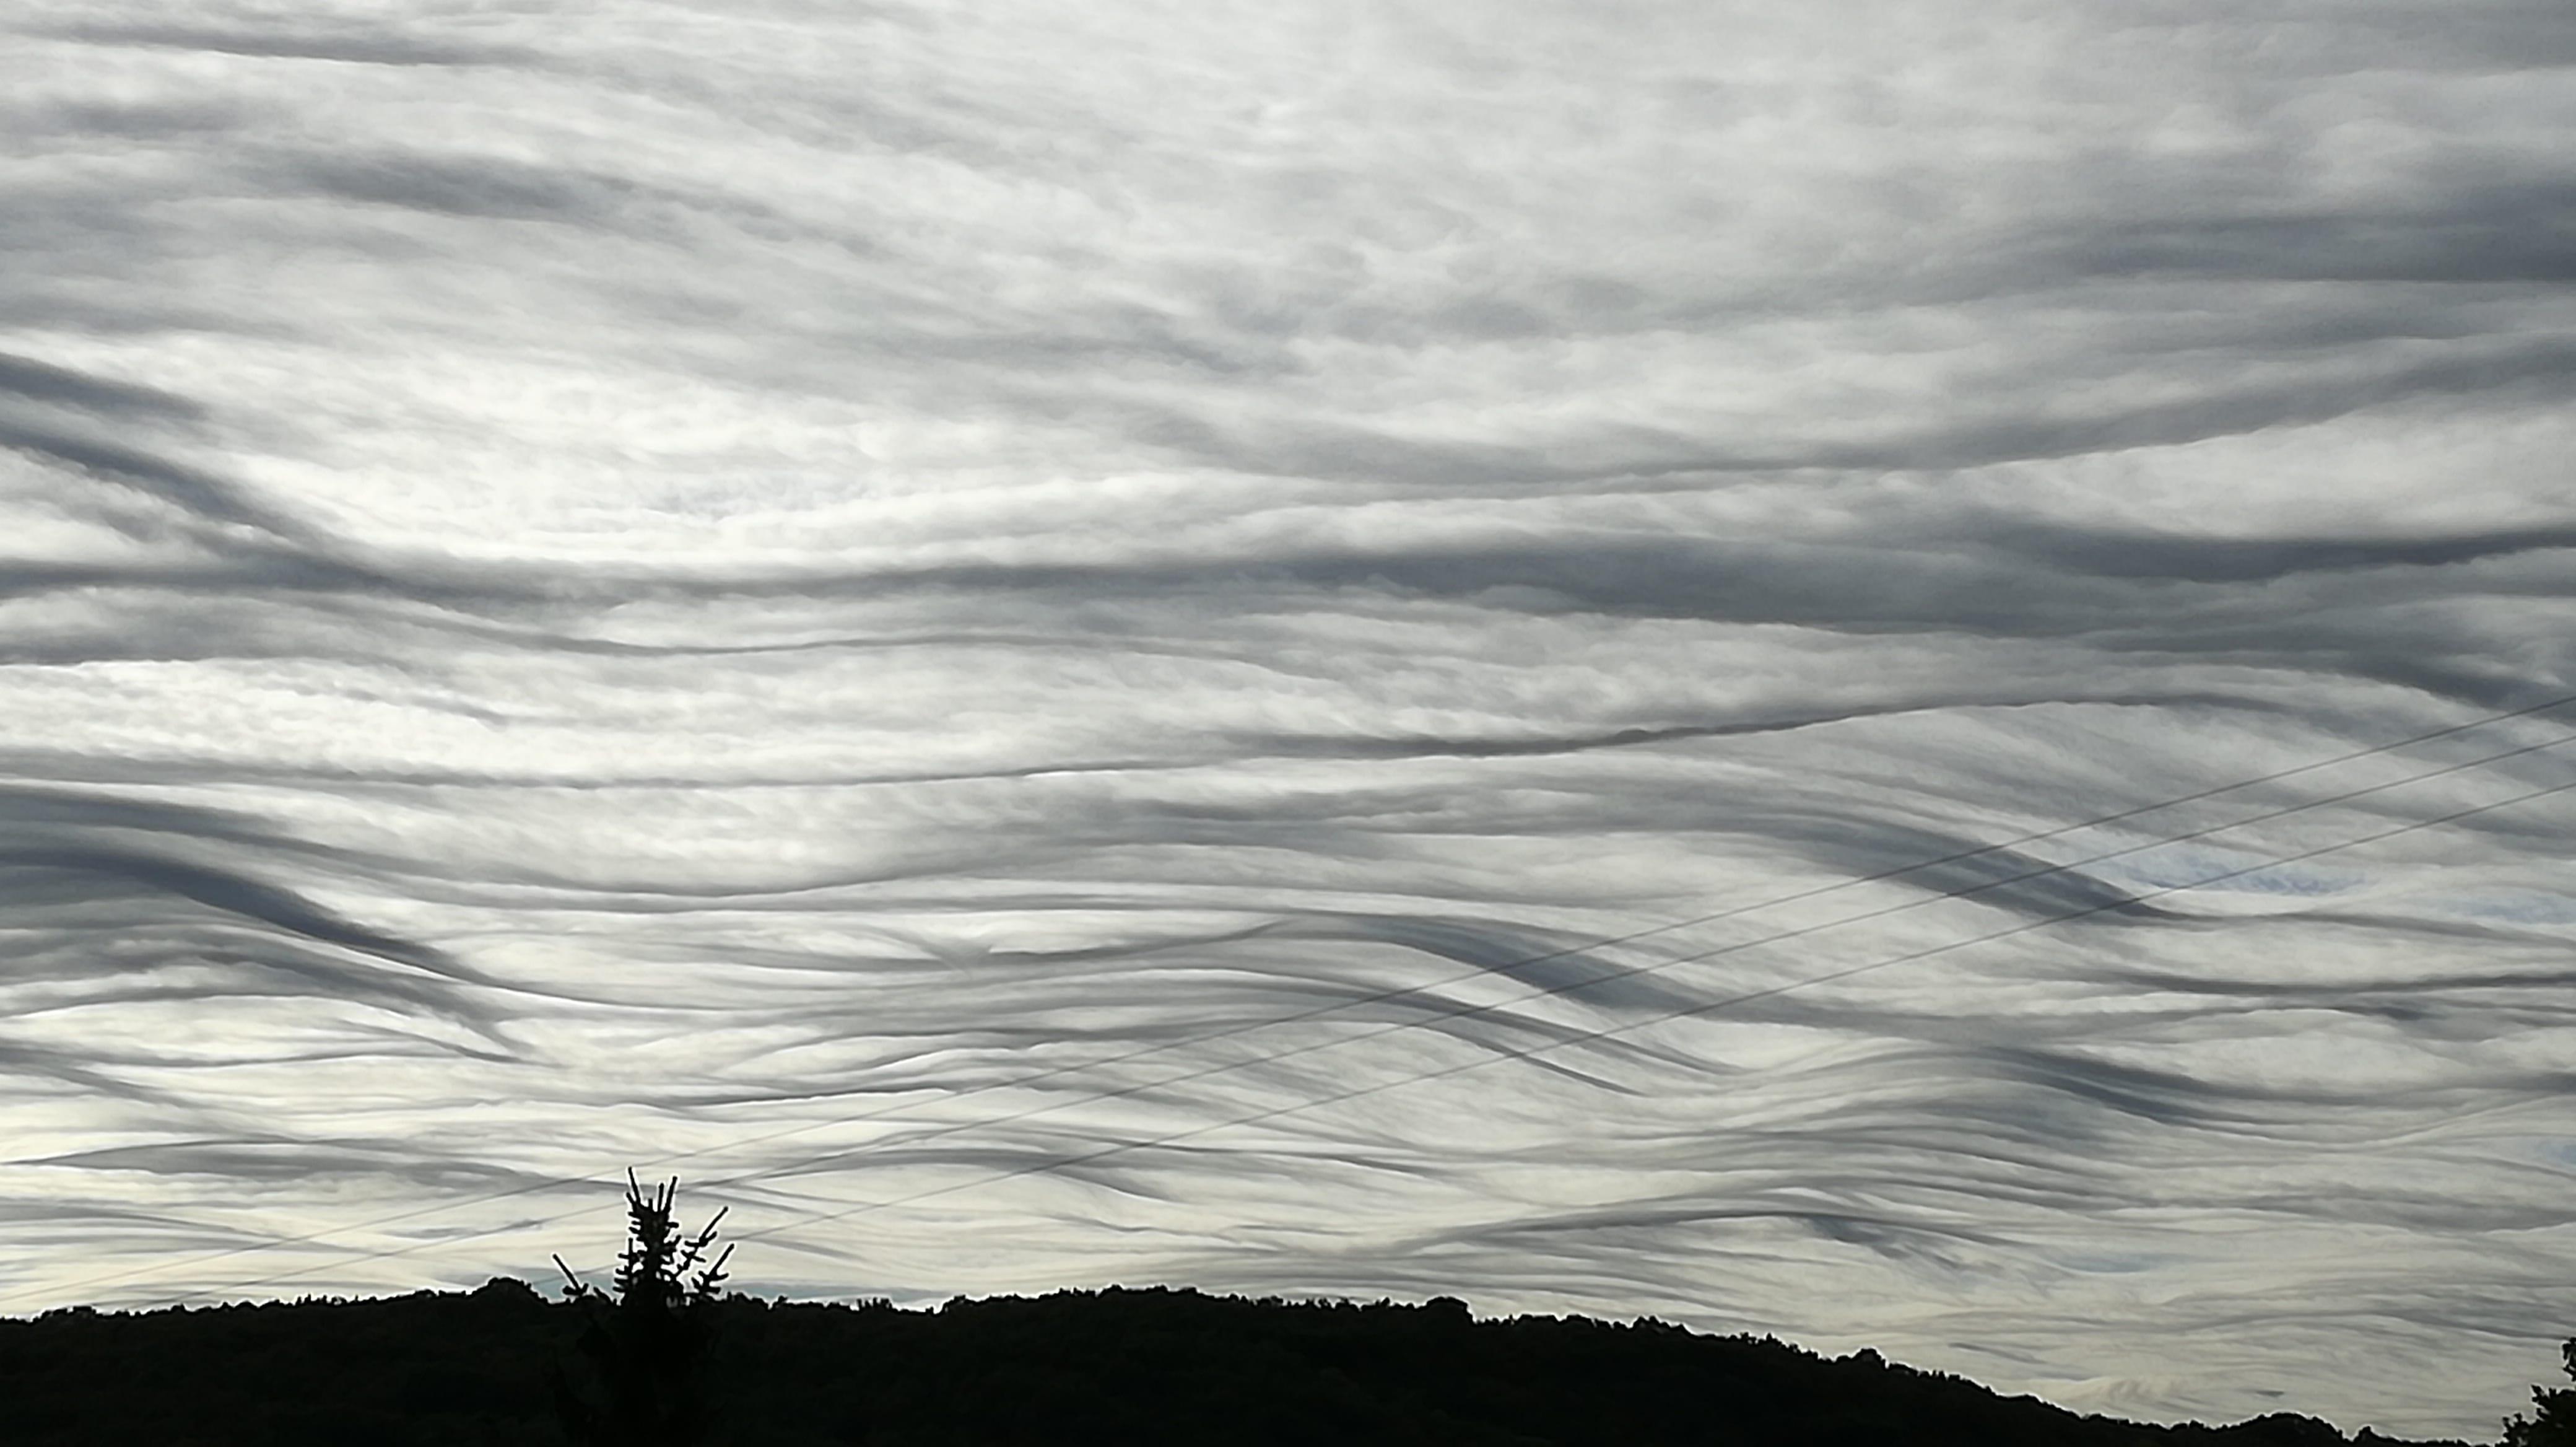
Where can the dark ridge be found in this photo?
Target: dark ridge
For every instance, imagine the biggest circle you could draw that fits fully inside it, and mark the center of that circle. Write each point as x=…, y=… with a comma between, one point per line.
x=1131, y=1367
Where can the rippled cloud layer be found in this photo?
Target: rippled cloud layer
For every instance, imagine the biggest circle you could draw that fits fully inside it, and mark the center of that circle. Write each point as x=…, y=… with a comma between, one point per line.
x=1316, y=649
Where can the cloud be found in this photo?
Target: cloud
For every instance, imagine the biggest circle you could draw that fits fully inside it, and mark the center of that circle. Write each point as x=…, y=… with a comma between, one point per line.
x=353, y=46
x=1259, y=646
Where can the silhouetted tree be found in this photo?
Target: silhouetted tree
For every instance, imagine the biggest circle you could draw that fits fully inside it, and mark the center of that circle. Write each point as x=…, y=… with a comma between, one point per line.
x=647, y=1344
x=2552, y=1422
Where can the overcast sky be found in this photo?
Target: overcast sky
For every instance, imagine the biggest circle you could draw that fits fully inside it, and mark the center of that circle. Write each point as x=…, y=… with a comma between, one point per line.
x=1305, y=647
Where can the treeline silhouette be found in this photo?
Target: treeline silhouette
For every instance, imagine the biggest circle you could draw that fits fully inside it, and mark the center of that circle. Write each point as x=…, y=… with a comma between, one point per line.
x=669, y=1359
x=1119, y=1366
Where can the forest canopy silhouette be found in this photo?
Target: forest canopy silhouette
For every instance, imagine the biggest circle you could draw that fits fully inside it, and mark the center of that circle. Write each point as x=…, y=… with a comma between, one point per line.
x=668, y=1357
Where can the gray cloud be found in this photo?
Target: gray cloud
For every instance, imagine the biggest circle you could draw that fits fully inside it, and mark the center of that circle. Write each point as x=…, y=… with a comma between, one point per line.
x=29, y=378
x=358, y=47
x=1313, y=655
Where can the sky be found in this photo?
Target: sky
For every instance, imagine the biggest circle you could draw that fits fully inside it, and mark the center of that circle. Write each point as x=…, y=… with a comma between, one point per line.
x=1879, y=672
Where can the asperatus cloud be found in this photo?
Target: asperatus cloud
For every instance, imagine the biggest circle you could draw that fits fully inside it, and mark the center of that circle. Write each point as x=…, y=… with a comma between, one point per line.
x=1891, y=671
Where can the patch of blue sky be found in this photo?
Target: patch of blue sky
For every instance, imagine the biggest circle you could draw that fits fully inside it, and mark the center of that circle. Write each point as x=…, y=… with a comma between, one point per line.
x=2200, y=866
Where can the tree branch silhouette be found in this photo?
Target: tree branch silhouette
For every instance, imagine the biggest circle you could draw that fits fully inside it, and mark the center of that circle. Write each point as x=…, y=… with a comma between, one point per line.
x=646, y=1345
x=2552, y=1422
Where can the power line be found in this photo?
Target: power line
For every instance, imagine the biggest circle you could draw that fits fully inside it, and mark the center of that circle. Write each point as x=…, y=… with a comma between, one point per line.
x=1506, y=1054
x=1462, y=1012
x=1606, y=1032
x=1382, y=996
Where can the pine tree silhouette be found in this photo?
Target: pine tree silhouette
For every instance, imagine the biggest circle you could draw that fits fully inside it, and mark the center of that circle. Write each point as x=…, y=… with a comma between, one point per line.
x=646, y=1346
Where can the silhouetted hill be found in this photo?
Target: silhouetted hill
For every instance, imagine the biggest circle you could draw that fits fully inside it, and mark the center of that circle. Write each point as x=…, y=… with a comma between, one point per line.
x=1120, y=1366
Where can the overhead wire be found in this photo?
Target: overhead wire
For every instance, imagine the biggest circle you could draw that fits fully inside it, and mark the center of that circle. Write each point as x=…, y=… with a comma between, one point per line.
x=1416, y=989
x=1501, y=1054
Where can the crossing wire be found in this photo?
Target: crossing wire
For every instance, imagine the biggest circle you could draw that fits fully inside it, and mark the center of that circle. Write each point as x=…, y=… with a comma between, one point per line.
x=1465, y=1011
x=1501, y=1054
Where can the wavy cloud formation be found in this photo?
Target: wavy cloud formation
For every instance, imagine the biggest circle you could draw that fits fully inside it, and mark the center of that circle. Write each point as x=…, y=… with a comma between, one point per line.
x=1307, y=649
